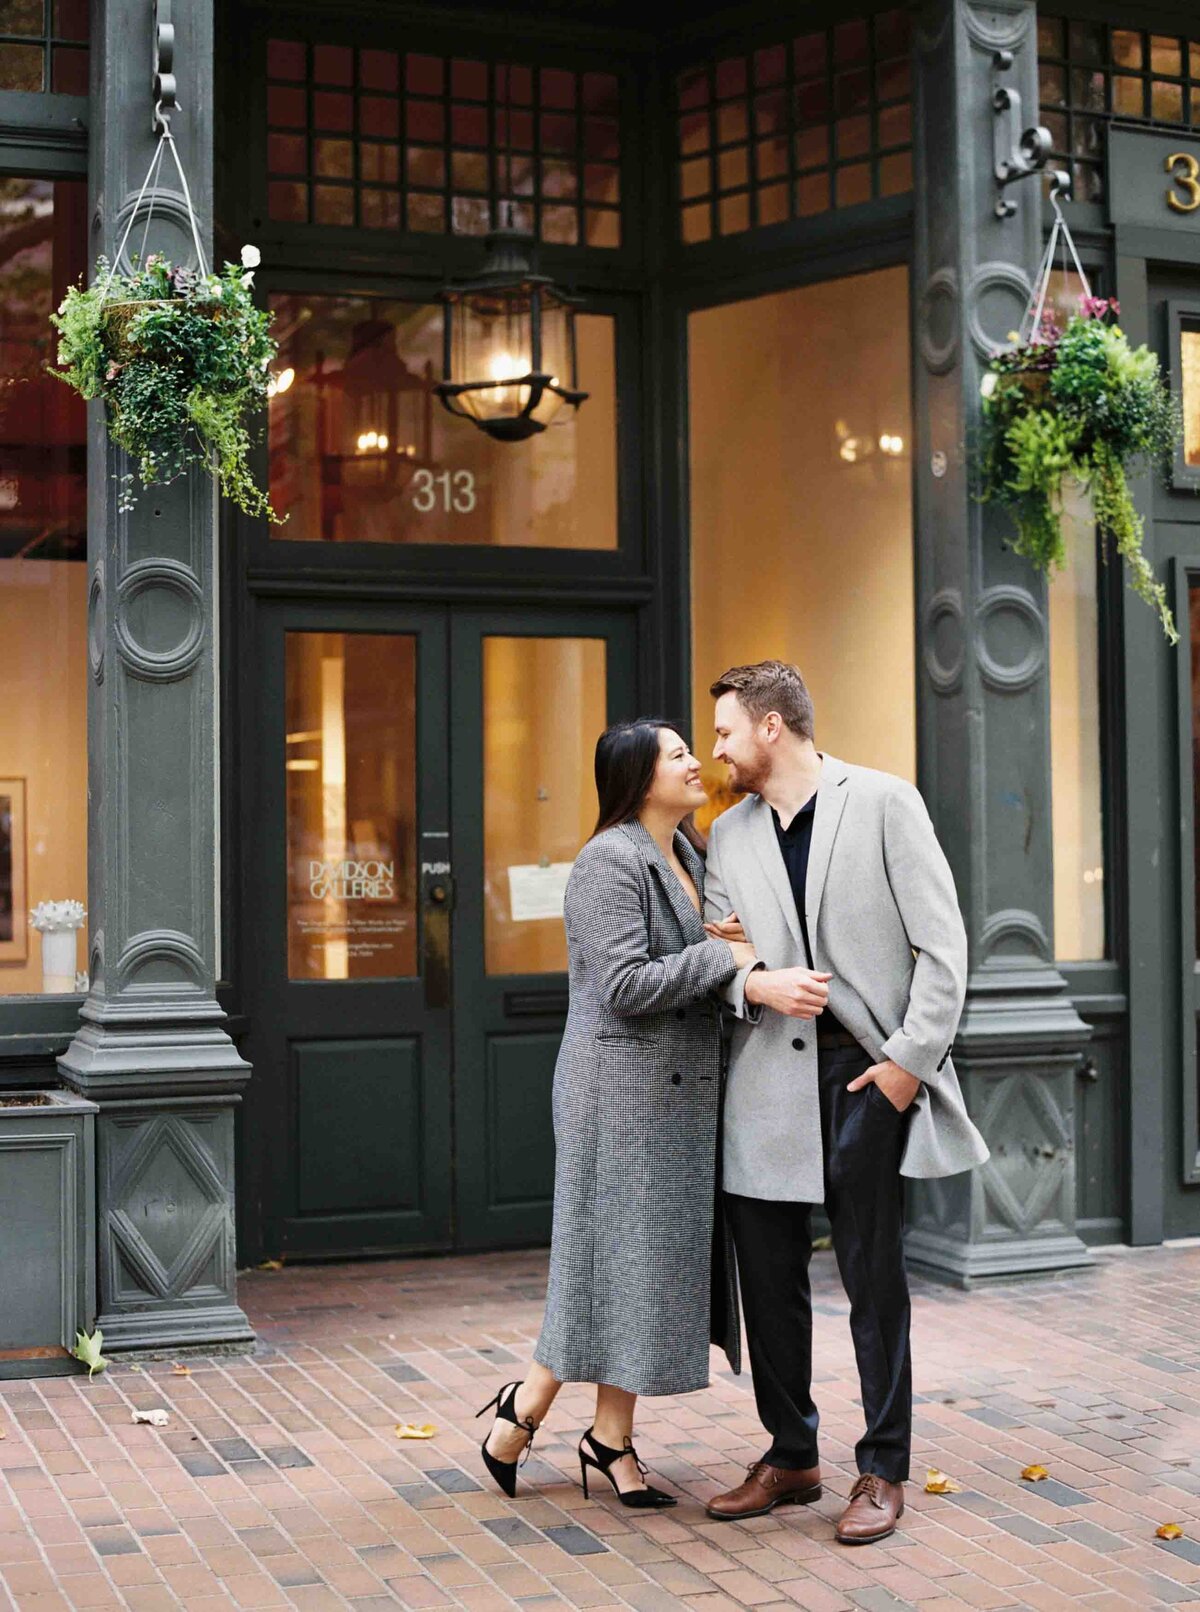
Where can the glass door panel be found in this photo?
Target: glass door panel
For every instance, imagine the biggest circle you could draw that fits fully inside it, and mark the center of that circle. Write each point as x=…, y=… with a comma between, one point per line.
x=351, y=805
x=544, y=702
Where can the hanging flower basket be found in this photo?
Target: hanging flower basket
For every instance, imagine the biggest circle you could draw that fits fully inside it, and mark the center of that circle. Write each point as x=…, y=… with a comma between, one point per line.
x=119, y=316
x=179, y=357
x=1076, y=401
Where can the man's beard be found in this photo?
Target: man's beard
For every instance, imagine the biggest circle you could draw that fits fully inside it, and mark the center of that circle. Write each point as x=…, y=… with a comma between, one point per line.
x=748, y=779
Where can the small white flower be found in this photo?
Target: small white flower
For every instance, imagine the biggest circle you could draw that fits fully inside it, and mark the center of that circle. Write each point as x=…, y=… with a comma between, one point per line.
x=247, y=280
x=251, y=257
x=988, y=384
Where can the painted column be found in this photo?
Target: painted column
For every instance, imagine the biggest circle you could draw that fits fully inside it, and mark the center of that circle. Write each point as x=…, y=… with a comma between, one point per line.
x=984, y=671
x=151, y=1049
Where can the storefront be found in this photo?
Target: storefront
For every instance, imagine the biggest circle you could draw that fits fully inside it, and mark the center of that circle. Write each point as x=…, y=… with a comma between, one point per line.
x=318, y=783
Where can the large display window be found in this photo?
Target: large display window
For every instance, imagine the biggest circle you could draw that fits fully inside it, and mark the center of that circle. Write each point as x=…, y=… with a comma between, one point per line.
x=43, y=600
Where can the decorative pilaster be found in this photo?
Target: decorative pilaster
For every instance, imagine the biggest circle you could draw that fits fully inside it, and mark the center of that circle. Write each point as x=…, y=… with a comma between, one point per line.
x=984, y=676
x=151, y=1050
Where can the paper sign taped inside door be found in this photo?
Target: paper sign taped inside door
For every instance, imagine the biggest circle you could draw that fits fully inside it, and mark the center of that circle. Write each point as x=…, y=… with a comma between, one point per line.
x=537, y=892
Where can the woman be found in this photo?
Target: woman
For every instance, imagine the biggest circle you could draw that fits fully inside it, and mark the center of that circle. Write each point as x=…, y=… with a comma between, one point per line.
x=636, y=1099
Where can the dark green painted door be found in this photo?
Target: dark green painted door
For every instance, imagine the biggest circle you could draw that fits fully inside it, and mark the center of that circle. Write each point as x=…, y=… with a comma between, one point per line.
x=425, y=779
x=348, y=1123
x=531, y=692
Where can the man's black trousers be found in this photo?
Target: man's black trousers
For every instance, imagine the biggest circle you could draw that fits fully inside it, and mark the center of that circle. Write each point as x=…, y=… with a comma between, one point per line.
x=863, y=1139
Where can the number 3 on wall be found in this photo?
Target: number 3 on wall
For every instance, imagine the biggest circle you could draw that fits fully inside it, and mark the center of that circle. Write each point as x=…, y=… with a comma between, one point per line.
x=453, y=492
x=1187, y=178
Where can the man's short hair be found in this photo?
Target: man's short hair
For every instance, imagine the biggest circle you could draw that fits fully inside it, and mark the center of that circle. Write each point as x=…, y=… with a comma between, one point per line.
x=770, y=685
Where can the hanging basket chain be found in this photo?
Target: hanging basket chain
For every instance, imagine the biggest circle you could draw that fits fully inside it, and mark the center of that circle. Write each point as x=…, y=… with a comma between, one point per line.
x=166, y=140
x=1031, y=319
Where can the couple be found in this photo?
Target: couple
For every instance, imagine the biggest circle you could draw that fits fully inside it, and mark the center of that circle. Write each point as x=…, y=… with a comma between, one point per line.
x=835, y=941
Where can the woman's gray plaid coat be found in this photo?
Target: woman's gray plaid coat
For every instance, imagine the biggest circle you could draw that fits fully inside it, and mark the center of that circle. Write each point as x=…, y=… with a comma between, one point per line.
x=636, y=1101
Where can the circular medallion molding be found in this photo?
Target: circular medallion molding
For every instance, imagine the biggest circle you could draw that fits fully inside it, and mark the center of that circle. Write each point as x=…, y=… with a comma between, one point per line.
x=945, y=648
x=171, y=209
x=178, y=607
x=997, y=296
x=937, y=321
x=96, y=625
x=1012, y=639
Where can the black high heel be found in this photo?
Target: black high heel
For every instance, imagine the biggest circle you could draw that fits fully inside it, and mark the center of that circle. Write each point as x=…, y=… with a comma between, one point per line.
x=601, y=1457
x=505, y=1472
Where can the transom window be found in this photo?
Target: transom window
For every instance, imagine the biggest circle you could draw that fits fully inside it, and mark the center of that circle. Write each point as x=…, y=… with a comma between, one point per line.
x=43, y=46
x=386, y=139
x=795, y=128
x=1090, y=73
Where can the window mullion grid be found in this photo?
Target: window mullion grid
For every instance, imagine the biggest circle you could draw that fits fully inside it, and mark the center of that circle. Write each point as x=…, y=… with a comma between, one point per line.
x=714, y=165
x=872, y=110
x=310, y=129
x=356, y=167
x=752, y=178
x=791, y=125
x=580, y=160
x=447, y=148
x=833, y=151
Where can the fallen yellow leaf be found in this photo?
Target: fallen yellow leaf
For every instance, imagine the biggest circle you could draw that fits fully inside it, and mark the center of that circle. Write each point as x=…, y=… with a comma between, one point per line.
x=938, y=1483
x=271, y=1265
x=180, y=1370
x=407, y=1430
x=1034, y=1474
x=1169, y=1530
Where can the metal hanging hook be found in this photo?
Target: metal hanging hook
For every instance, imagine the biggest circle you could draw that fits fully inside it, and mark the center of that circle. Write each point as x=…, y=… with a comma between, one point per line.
x=163, y=70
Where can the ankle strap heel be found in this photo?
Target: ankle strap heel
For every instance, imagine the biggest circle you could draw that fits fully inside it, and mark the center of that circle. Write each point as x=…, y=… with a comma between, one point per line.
x=601, y=1457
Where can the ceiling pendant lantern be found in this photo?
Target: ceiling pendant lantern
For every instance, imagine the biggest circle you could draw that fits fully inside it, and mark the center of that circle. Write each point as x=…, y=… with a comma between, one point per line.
x=508, y=344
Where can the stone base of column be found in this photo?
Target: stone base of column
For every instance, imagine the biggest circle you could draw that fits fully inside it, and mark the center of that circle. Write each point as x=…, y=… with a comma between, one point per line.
x=165, y=1183
x=1017, y=1062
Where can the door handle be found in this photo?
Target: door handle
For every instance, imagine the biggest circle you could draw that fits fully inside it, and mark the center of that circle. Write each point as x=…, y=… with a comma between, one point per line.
x=437, y=893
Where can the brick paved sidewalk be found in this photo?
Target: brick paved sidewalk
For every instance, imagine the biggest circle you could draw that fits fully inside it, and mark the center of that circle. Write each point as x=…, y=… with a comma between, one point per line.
x=279, y=1481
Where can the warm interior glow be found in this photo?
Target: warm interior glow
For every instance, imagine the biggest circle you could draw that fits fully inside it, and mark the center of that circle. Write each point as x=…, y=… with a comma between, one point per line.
x=556, y=490
x=351, y=806
x=1076, y=809
x=801, y=529
x=544, y=707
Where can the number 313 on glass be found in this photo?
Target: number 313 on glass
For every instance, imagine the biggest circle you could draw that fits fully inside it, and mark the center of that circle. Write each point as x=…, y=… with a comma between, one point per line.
x=450, y=491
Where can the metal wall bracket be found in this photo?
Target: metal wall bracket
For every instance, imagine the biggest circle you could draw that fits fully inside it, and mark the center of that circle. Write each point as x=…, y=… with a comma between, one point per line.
x=1017, y=152
x=164, y=66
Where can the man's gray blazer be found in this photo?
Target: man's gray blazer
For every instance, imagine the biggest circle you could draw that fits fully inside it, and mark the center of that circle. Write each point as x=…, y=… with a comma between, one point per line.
x=883, y=919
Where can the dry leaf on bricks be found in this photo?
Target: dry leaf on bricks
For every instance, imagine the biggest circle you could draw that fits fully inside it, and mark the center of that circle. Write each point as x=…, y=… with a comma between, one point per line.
x=180, y=1370
x=1034, y=1474
x=407, y=1430
x=152, y=1418
x=939, y=1483
x=1169, y=1530
x=270, y=1265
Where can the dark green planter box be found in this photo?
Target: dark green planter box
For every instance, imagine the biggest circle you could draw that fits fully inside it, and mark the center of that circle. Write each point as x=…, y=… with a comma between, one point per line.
x=48, y=1243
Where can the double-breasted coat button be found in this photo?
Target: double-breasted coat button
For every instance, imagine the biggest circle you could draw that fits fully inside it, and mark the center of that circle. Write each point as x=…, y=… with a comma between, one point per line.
x=676, y=1078
x=798, y=1043
x=681, y=1013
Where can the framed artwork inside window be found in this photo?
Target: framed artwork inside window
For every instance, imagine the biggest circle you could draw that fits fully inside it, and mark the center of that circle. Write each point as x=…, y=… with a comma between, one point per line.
x=14, y=918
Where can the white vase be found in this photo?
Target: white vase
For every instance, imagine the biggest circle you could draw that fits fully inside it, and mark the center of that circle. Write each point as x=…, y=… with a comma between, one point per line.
x=58, y=962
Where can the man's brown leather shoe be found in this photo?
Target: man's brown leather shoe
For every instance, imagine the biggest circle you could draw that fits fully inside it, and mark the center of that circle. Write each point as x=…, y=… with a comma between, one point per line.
x=874, y=1510
x=765, y=1488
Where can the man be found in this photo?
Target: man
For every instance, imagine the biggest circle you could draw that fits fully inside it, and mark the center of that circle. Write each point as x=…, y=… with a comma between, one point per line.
x=840, y=1078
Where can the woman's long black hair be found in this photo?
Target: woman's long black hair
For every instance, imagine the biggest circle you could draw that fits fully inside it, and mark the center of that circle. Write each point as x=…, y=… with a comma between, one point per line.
x=626, y=756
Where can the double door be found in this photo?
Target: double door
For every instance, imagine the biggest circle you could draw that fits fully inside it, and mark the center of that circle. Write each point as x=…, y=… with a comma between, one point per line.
x=424, y=781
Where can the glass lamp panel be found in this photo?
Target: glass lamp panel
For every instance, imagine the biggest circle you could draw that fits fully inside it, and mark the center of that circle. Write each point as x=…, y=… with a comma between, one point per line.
x=492, y=342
